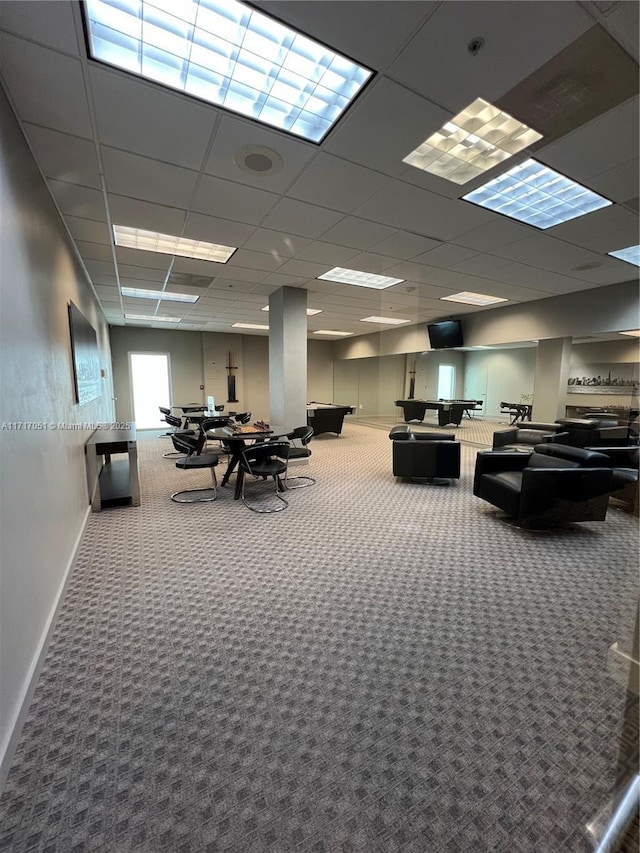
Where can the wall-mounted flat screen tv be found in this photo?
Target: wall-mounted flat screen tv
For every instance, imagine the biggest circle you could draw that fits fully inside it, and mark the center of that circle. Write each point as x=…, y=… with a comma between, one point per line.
x=445, y=335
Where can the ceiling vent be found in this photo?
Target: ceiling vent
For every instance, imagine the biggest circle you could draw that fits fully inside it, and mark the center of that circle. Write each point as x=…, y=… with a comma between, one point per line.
x=258, y=160
x=590, y=265
x=183, y=279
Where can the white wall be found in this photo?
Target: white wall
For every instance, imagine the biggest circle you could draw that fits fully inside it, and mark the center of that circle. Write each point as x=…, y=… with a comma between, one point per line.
x=201, y=357
x=499, y=375
x=44, y=501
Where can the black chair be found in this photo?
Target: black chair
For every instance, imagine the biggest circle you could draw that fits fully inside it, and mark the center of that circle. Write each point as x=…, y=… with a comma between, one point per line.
x=546, y=488
x=191, y=447
x=243, y=417
x=430, y=456
x=303, y=436
x=526, y=436
x=176, y=429
x=262, y=461
x=625, y=462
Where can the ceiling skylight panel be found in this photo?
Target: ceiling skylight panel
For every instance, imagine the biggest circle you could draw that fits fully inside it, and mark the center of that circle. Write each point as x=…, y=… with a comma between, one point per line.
x=229, y=55
x=631, y=255
x=227, y=21
x=539, y=196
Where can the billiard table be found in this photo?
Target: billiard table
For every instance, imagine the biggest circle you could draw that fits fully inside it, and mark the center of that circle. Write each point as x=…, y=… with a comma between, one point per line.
x=449, y=411
x=327, y=417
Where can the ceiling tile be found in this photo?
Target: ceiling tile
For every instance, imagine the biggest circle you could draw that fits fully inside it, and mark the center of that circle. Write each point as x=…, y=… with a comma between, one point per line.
x=363, y=135
x=337, y=184
x=304, y=269
x=132, y=114
x=584, y=153
x=37, y=79
x=416, y=210
x=216, y=230
x=445, y=255
x=358, y=233
x=143, y=178
x=326, y=253
x=95, y=251
x=619, y=183
x=404, y=245
x=494, y=234
x=78, y=201
x=88, y=229
x=235, y=133
x=370, y=262
x=140, y=258
x=438, y=65
x=143, y=214
x=277, y=243
x=254, y=260
x=373, y=42
x=64, y=157
x=216, y=197
x=44, y=21
x=297, y=217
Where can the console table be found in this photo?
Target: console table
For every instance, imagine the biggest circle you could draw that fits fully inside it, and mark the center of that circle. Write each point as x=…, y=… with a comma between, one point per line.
x=112, y=483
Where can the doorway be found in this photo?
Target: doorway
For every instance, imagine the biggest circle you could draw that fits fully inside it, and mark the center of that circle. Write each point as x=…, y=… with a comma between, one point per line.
x=446, y=382
x=150, y=388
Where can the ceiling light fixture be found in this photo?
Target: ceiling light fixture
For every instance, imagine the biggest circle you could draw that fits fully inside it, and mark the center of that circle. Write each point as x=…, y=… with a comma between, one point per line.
x=151, y=319
x=472, y=142
x=633, y=333
x=468, y=297
x=333, y=333
x=537, y=195
x=310, y=311
x=359, y=278
x=167, y=244
x=631, y=255
x=384, y=321
x=230, y=55
x=248, y=326
x=163, y=295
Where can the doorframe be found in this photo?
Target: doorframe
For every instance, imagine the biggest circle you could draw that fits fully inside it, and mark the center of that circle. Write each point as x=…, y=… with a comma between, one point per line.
x=170, y=373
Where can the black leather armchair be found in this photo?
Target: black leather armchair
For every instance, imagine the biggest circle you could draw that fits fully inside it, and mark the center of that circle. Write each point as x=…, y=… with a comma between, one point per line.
x=552, y=485
x=625, y=462
x=525, y=437
x=429, y=456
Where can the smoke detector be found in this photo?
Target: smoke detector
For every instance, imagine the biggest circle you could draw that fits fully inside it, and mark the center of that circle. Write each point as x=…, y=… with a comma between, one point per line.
x=258, y=160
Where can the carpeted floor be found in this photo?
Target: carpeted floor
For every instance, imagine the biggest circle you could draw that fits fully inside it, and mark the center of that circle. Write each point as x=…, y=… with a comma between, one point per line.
x=385, y=666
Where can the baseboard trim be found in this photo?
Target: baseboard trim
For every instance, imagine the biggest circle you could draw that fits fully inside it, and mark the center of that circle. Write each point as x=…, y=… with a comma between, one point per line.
x=8, y=748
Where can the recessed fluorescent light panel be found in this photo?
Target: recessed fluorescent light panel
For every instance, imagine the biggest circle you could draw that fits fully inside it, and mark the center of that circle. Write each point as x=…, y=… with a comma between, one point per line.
x=630, y=255
x=469, y=298
x=148, y=318
x=230, y=55
x=361, y=279
x=634, y=333
x=310, y=311
x=333, y=334
x=535, y=194
x=248, y=326
x=158, y=294
x=384, y=321
x=474, y=141
x=166, y=244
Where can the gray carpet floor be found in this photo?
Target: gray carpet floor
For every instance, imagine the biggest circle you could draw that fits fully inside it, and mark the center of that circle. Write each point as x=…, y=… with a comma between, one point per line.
x=385, y=666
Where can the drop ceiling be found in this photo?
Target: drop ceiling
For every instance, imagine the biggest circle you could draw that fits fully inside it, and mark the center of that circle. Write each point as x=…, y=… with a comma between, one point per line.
x=115, y=149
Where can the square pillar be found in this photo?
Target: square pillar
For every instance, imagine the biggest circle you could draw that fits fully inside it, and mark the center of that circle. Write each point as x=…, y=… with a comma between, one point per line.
x=288, y=357
x=553, y=360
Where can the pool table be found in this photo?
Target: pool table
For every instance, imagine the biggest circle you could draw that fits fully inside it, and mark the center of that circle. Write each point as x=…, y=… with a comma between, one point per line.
x=327, y=417
x=449, y=411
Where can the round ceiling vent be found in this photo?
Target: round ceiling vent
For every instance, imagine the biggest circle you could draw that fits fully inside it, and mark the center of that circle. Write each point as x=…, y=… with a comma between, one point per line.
x=258, y=160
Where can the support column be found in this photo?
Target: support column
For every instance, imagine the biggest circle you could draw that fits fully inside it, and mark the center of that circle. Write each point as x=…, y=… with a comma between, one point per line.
x=288, y=357
x=553, y=361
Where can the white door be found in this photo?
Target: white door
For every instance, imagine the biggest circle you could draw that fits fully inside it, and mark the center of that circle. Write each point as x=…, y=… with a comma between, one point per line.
x=150, y=388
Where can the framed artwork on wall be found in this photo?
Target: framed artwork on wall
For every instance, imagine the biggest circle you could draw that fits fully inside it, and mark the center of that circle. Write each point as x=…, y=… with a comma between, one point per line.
x=86, y=362
x=603, y=379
